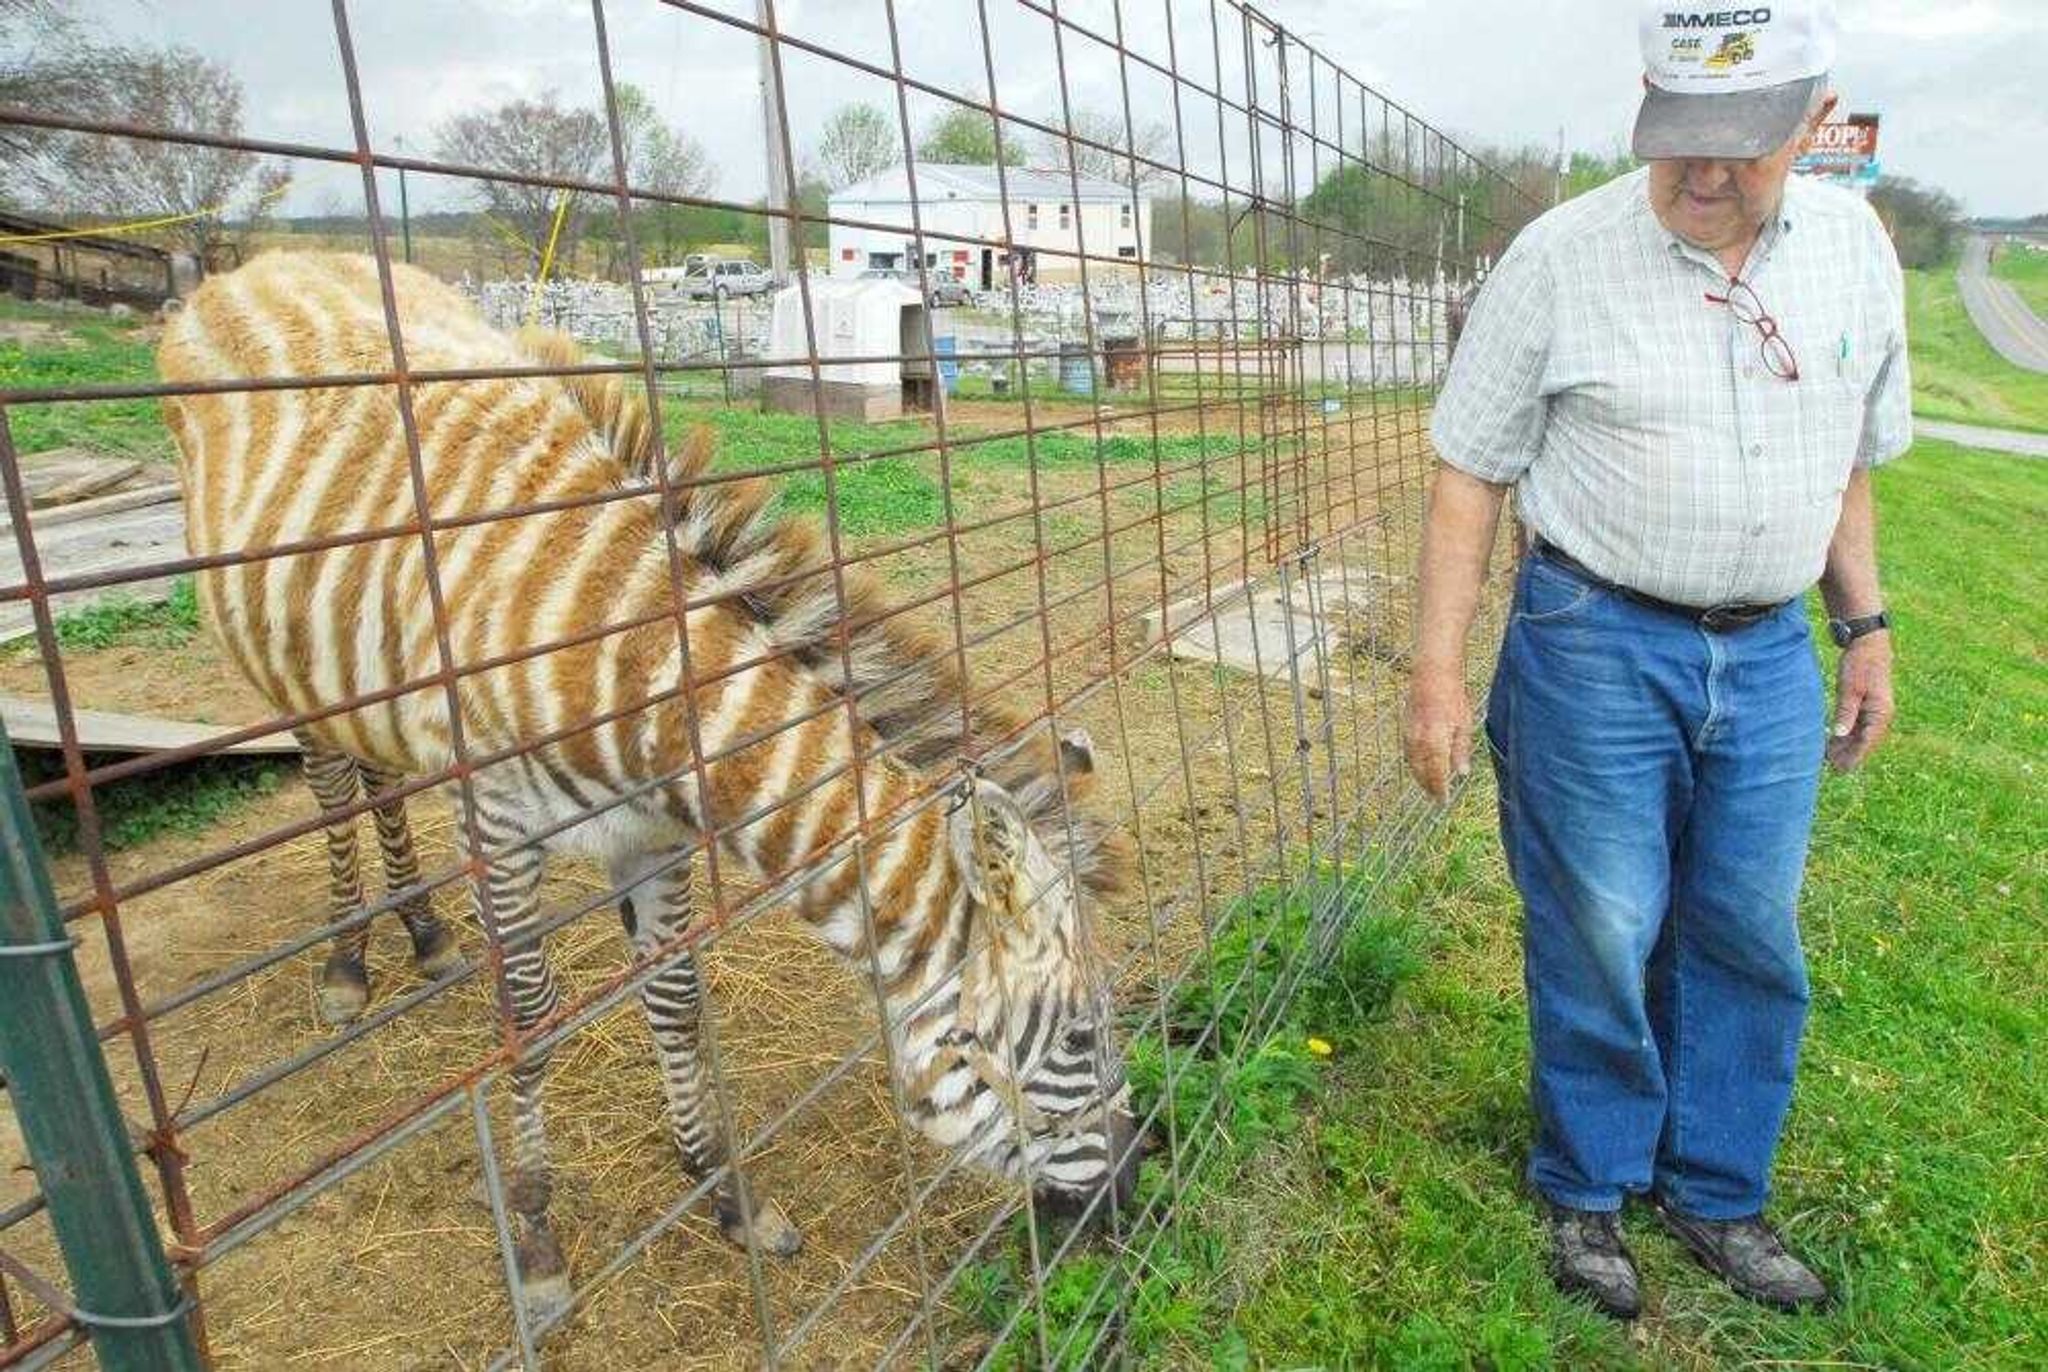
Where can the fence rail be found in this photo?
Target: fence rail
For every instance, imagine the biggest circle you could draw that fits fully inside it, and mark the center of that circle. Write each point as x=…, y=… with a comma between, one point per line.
x=1099, y=569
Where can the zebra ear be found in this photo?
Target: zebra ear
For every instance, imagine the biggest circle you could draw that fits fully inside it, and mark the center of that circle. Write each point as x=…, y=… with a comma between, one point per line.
x=987, y=836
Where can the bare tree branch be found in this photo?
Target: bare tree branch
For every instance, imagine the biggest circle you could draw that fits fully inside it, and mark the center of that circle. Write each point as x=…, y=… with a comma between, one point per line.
x=530, y=138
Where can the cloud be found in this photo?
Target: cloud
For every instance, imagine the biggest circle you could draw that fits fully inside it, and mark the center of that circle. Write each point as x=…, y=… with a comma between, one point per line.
x=1956, y=82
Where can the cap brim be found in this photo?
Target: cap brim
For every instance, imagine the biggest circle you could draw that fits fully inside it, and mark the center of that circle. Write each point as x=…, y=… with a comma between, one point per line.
x=1729, y=125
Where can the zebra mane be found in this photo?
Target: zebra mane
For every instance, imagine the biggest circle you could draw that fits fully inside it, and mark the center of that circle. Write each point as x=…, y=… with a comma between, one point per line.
x=904, y=678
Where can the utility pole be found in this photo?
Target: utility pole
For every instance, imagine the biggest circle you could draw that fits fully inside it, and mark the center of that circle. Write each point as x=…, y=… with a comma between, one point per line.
x=1557, y=189
x=772, y=132
x=404, y=206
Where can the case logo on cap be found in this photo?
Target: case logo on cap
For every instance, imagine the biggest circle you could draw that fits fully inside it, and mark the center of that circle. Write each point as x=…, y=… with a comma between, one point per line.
x=1736, y=48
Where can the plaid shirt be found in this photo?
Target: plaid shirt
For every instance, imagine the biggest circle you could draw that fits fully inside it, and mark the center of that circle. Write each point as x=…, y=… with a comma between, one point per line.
x=1637, y=421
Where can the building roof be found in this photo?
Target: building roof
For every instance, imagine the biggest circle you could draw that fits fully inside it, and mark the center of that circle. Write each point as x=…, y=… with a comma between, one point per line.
x=954, y=181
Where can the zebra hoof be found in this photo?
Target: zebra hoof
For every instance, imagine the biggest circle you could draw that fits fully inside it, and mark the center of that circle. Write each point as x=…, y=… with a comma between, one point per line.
x=543, y=1278
x=546, y=1298
x=344, y=991
x=435, y=949
x=773, y=1233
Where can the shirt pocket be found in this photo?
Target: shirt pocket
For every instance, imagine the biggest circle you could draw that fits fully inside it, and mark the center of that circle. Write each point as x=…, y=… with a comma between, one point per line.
x=1830, y=428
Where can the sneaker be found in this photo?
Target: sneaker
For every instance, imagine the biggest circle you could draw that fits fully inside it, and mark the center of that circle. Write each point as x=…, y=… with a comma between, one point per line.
x=1588, y=1258
x=1748, y=1255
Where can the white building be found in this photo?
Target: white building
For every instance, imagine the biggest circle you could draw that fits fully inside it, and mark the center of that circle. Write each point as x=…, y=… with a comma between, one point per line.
x=961, y=210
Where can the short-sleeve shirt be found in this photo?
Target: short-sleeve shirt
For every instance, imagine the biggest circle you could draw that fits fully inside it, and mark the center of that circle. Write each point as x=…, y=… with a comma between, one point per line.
x=1637, y=420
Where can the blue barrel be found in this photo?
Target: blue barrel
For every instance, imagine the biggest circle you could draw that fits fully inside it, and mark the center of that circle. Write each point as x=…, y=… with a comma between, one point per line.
x=1077, y=369
x=948, y=350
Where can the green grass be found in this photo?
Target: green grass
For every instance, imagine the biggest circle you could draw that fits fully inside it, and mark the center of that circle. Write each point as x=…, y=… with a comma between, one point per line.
x=888, y=495
x=188, y=799
x=1371, y=1215
x=1956, y=374
x=121, y=621
x=2027, y=270
x=1243, y=1061
x=85, y=349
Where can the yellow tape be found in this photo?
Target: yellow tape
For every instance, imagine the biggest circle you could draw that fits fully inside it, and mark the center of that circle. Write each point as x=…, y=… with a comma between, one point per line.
x=547, y=260
x=137, y=225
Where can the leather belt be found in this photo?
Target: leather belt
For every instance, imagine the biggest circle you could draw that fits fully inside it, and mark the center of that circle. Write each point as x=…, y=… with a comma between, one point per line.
x=1718, y=619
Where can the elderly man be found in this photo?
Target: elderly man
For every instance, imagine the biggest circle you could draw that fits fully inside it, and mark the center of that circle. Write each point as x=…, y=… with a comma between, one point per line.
x=1685, y=377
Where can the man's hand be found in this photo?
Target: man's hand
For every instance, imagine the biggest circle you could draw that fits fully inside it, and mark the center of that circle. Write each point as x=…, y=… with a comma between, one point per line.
x=1436, y=733
x=1863, y=701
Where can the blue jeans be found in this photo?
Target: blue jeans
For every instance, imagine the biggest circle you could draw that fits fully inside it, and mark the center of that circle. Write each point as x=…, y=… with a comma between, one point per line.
x=1657, y=787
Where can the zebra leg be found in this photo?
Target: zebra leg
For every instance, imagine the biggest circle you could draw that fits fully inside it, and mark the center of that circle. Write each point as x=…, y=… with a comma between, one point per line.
x=655, y=909
x=434, y=948
x=344, y=981
x=512, y=874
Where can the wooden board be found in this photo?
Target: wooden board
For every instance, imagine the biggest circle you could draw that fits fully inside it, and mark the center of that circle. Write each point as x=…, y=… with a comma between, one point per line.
x=33, y=724
x=113, y=540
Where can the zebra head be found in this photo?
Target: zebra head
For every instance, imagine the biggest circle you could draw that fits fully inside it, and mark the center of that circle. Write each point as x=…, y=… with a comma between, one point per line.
x=1021, y=1072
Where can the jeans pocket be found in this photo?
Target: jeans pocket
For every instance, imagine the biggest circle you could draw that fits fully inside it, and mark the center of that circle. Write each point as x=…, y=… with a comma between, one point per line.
x=1552, y=595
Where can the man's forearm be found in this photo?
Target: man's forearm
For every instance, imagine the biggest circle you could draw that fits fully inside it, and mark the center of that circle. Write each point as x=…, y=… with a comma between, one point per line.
x=1849, y=583
x=1457, y=543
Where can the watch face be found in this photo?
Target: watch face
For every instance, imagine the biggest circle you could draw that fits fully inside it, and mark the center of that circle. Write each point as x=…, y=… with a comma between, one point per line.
x=1839, y=631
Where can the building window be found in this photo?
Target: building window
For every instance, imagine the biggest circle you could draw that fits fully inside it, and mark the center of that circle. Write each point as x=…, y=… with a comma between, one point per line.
x=1065, y=218
x=1123, y=216
x=1127, y=250
x=1031, y=216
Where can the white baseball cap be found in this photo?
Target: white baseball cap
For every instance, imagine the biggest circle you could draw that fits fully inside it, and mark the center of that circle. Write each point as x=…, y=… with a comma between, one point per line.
x=1730, y=80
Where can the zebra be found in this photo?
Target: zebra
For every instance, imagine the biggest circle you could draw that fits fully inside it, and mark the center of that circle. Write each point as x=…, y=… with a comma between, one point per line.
x=337, y=781
x=790, y=698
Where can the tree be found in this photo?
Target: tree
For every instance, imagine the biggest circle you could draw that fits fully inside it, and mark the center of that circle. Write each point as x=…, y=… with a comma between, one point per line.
x=965, y=137
x=661, y=160
x=859, y=141
x=1923, y=222
x=46, y=63
x=659, y=157
x=134, y=178
x=1111, y=161
x=530, y=138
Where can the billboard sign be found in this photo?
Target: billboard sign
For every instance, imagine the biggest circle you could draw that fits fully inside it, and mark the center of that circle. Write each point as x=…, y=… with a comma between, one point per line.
x=1844, y=152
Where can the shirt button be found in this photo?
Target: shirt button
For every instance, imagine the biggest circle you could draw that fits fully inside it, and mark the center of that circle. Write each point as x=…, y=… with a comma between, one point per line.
x=1756, y=450
x=1756, y=530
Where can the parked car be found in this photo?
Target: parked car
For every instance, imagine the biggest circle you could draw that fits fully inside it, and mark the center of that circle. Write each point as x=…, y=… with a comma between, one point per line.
x=722, y=277
x=945, y=290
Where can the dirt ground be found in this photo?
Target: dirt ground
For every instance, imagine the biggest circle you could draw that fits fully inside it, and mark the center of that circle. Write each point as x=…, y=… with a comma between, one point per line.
x=397, y=1266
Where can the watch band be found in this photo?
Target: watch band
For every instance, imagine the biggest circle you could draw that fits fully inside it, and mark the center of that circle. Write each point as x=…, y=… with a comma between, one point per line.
x=1847, y=631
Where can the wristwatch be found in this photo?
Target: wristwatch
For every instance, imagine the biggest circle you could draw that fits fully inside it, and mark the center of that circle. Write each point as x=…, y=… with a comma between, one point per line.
x=1847, y=631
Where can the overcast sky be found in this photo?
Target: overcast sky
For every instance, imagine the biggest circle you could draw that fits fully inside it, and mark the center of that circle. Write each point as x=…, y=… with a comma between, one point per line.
x=1959, y=83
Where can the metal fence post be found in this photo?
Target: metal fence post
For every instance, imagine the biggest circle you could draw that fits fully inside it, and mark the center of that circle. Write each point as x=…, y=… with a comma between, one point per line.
x=129, y=1301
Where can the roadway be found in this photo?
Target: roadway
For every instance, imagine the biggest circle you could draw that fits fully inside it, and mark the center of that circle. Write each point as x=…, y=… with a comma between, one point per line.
x=1999, y=313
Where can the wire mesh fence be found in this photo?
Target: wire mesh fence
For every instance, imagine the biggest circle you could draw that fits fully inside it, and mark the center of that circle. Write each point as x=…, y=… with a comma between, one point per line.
x=966, y=662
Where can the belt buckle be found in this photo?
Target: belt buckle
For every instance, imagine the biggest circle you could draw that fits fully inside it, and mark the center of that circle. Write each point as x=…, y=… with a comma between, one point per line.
x=1721, y=618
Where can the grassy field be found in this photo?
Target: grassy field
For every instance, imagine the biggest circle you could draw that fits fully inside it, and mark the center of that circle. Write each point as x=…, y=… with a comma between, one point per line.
x=2027, y=270
x=42, y=346
x=1384, y=1225
x=1956, y=375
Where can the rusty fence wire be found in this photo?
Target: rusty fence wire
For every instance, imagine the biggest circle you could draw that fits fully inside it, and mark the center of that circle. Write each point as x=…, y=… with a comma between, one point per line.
x=1122, y=425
